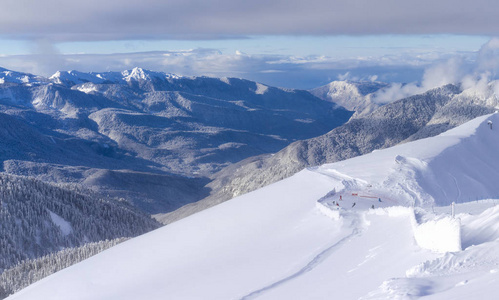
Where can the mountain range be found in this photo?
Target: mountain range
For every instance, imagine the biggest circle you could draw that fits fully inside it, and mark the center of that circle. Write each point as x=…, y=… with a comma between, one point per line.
x=150, y=137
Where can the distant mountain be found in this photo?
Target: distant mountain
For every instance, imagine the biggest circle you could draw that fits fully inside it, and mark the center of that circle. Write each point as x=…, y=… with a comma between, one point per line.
x=150, y=137
x=408, y=119
x=8, y=76
x=355, y=96
x=71, y=78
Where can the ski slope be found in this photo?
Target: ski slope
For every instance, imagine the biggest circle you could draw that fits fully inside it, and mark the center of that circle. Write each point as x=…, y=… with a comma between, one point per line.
x=296, y=239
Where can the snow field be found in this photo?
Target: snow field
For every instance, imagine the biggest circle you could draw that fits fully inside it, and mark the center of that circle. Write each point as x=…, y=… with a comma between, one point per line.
x=379, y=246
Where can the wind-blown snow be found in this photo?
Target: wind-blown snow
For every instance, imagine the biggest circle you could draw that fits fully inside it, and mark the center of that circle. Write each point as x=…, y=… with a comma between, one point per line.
x=340, y=231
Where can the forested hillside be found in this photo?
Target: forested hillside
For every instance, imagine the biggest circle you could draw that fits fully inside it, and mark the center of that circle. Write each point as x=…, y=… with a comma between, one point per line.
x=37, y=218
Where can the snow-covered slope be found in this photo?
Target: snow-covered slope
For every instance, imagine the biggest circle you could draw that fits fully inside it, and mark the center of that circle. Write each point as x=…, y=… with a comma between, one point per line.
x=290, y=240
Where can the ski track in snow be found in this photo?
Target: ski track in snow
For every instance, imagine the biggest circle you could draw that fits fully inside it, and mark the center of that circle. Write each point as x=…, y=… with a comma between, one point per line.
x=317, y=260
x=457, y=187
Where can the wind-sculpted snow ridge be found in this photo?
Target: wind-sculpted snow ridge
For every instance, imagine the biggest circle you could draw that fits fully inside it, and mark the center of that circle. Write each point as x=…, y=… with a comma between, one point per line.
x=459, y=166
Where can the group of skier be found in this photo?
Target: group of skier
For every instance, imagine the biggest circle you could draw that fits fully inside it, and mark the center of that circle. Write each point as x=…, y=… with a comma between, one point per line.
x=337, y=203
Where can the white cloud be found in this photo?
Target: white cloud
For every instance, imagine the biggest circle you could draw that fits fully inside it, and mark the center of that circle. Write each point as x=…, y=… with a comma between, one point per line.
x=424, y=71
x=488, y=57
x=470, y=74
x=276, y=70
x=343, y=77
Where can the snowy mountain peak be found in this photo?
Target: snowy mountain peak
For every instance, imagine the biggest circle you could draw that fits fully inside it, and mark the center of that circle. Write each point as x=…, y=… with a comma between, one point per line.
x=337, y=87
x=355, y=96
x=141, y=74
x=70, y=78
x=361, y=88
x=75, y=77
x=8, y=76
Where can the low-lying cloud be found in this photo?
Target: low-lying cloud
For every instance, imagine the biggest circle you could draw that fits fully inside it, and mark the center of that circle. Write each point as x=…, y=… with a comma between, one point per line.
x=476, y=74
x=277, y=70
x=410, y=73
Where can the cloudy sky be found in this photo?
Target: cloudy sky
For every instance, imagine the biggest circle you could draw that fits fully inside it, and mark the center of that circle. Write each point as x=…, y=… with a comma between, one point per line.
x=292, y=43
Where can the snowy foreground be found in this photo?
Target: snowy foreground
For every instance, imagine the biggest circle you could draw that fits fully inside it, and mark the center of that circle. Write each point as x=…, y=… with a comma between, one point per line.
x=291, y=240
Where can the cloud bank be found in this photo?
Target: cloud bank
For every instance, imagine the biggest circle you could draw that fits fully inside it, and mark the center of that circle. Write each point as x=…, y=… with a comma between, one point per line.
x=469, y=73
x=201, y=19
x=303, y=72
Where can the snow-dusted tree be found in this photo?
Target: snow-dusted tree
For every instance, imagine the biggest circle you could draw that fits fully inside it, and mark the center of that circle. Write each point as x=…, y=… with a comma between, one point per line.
x=37, y=218
x=29, y=271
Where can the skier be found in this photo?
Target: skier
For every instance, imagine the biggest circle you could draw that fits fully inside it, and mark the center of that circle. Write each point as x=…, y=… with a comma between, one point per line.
x=372, y=206
x=379, y=199
x=341, y=198
x=353, y=204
